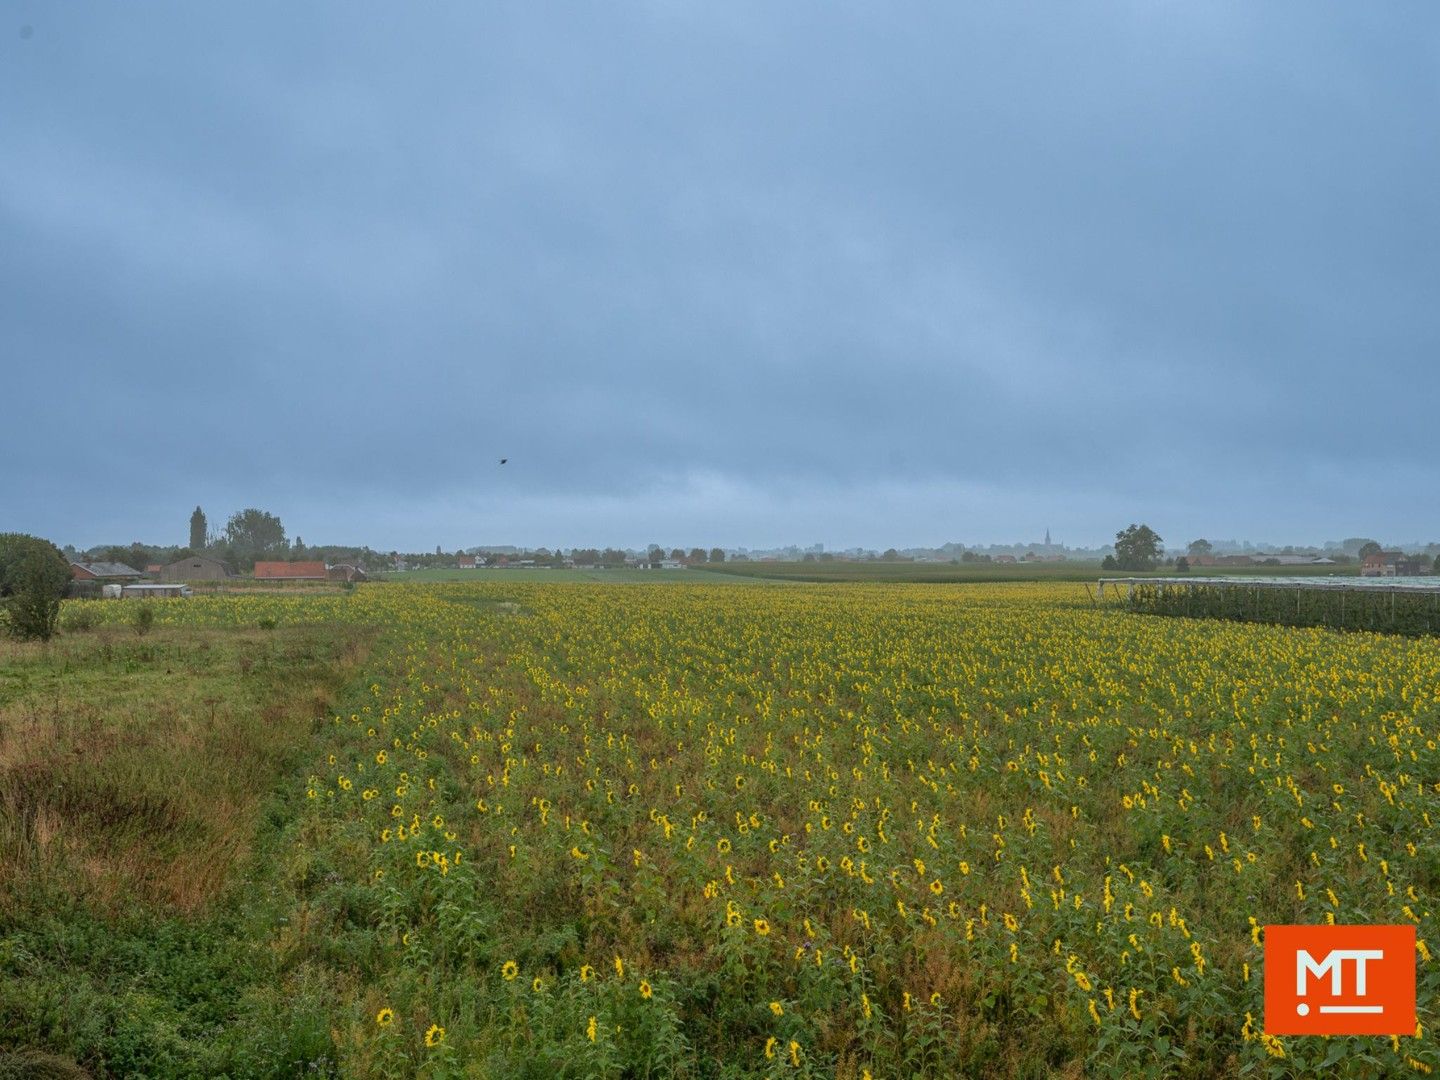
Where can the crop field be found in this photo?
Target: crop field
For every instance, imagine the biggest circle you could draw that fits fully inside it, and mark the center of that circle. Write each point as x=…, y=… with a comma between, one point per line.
x=560, y=575
x=692, y=830
x=977, y=572
x=905, y=572
x=1403, y=606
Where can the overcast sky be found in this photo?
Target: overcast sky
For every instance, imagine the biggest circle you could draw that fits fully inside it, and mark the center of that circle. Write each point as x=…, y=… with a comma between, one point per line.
x=720, y=273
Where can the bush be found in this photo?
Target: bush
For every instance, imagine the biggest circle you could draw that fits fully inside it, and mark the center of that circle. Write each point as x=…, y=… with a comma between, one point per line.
x=143, y=619
x=79, y=615
x=267, y=623
x=33, y=578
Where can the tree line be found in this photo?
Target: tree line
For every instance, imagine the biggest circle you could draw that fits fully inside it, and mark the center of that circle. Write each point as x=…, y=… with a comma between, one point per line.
x=248, y=536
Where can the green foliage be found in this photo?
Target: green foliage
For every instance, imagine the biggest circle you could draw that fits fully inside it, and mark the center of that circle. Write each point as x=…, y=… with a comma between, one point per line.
x=1137, y=547
x=143, y=617
x=33, y=578
x=1375, y=609
x=255, y=534
x=199, y=529
x=79, y=616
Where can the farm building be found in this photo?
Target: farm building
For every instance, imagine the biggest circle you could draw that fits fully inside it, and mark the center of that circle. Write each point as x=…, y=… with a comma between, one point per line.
x=345, y=572
x=195, y=568
x=152, y=591
x=103, y=571
x=1220, y=560
x=1377, y=565
x=1393, y=564
x=290, y=571
x=465, y=562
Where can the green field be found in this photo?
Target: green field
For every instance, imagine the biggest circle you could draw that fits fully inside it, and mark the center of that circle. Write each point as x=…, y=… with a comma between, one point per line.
x=937, y=573
x=504, y=828
x=836, y=571
x=527, y=574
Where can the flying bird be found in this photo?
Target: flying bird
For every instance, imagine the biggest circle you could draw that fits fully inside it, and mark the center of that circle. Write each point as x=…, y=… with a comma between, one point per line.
x=503, y=460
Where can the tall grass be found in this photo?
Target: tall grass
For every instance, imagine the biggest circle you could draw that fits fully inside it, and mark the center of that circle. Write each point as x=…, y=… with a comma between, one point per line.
x=136, y=776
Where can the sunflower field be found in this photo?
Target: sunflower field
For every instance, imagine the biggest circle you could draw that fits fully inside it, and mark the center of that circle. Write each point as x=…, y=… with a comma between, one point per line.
x=693, y=830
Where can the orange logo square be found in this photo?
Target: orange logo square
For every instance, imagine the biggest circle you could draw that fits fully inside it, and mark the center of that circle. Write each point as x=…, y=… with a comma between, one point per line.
x=1340, y=980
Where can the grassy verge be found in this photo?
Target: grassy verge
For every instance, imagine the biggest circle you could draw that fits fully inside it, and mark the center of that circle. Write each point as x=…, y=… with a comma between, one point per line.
x=139, y=787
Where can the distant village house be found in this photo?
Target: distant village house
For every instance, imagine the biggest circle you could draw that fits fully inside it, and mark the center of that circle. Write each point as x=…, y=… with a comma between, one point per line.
x=1393, y=564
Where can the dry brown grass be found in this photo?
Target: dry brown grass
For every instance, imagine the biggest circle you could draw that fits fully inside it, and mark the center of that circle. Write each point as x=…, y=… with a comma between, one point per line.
x=132, y=771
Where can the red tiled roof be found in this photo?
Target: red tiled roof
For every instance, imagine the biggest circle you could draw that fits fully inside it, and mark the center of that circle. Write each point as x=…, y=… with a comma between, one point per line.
x=289, y=569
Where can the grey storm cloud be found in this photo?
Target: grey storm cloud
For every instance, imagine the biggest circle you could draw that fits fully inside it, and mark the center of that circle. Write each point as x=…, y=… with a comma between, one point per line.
x=737, y=273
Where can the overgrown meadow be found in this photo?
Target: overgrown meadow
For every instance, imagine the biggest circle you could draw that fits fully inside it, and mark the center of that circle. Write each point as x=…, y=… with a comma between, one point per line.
x=834, y=830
